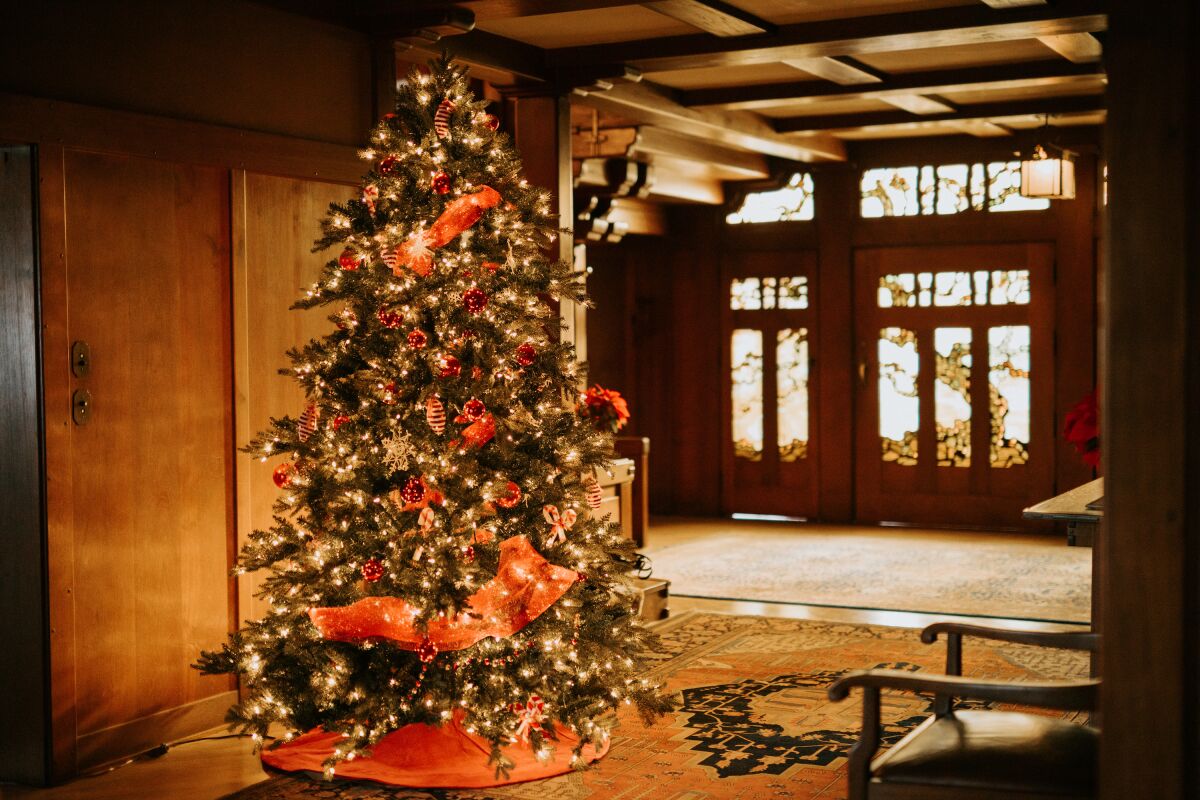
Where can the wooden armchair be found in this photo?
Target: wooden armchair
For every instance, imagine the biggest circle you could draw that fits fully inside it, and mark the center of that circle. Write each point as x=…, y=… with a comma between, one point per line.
x=977, y=755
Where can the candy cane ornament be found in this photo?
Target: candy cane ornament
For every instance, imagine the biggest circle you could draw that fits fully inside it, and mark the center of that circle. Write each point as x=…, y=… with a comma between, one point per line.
x=435, y=414
x=441, y=118
x=531, y=716
x=560, y=523
x=307, y=425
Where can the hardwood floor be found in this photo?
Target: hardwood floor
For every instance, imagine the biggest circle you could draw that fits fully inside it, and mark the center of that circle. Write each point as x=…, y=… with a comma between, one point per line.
x=206, y=770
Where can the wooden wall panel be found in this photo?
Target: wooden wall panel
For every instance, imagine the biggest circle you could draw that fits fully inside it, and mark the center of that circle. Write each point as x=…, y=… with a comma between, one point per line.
x=276, y=220
x=147, y=253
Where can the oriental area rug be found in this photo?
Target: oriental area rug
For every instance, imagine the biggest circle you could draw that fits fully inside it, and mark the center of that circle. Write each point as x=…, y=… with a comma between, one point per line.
x=1017, y=576
x=753, y=719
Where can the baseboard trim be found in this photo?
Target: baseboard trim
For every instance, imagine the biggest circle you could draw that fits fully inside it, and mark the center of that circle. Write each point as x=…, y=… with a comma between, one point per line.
x=137, y=736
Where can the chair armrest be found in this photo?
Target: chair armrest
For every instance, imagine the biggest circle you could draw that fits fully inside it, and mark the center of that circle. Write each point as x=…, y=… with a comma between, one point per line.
x=1061, y=695
x=1065, y=640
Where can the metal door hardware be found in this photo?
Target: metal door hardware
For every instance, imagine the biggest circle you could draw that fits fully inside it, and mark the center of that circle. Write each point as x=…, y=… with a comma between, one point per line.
x=81, y=359
x=81, y=406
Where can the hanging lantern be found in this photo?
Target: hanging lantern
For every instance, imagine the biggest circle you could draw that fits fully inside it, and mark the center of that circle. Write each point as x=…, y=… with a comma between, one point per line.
x=1048, y=174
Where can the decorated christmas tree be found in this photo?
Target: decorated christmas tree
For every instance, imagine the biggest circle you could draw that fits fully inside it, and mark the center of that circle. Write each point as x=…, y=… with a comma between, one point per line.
x=436, y=568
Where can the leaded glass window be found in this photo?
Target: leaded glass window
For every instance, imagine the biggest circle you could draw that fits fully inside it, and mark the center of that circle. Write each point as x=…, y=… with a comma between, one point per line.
x=793, y=202
x=899, y=405
x=791, y=386
x=945, y=189
x=747, y=370
x=1009, y=389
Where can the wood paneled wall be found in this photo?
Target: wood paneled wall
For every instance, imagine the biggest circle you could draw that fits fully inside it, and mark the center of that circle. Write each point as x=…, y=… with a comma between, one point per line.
x=655, y=333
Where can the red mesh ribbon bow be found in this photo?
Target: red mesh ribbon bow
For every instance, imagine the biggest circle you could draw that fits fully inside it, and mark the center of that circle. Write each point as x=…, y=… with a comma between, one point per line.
x=526, y=584
x=532, y=714
x=417, y=252
x=559, y=523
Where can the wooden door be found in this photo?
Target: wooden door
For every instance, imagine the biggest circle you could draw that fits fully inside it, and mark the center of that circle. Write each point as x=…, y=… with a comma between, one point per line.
x=768, y=452
x=147, y=265
x=954, y=418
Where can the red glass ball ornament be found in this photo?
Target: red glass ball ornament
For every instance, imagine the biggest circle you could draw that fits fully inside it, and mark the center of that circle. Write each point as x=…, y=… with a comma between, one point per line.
x=349, y=260
x=372, y=570
x=581, y=577
x=339, y=421
x=417, y=339
x=387, y=165
x=473, y=409
x=440, y=183
x=427, y=651
x=413, y=491
x=474, y=300
x=283, y=474
x=450, y=367
x=468, y=554
x=526, y=353
x=511, y=497
x=492, y=122
x=389, y=318
x=390, y=115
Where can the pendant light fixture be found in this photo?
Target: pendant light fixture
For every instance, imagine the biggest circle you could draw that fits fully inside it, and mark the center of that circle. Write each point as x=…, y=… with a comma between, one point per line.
x=1048, y=171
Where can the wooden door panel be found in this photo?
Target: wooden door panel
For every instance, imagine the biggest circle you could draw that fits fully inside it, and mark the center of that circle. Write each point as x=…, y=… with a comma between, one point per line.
x=276, y=221
x=148, y=289
x=926, y=492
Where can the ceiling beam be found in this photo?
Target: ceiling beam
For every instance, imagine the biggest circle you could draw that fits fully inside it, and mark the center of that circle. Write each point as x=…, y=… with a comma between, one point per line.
x=646, y=103
x=1052, y=72
x=975, y=111
x=507, y=9
x=652, y=141
x=842, y=70
x=1078, y=48
x=712, y=16
x=918, y=104
x=1013, y=3
x=491, y=57
x=942, y=27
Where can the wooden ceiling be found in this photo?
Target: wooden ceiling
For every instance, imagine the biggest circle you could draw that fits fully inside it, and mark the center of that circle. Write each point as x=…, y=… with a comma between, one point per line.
x=717, y=82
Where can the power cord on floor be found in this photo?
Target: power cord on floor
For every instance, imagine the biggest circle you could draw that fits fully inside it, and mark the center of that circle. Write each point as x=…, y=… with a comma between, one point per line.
x=160, y=750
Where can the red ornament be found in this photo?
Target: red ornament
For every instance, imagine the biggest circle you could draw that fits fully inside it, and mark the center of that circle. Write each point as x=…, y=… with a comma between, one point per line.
x=594, y=493
x=307, y=425
x=580, y=577
x=512, y=496
x=389, y=318
x=390, y=115
x=389, y=394
x=372, y=570
x=472, y=410
x=491, y=122
x=413, y=491
x=388, y=165
x=283, y=474
x=450, y=367
x=474, y=300
x=417, y=339
x=440, y=183
x=349, y=260
x=339, y=421
x=427, y=651
x=526, y=354
x=468, y=554
x=435, y=414
x=491, y=266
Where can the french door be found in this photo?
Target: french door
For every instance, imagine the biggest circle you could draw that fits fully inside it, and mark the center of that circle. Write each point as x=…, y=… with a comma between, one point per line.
x=768, y=334
x=954, y=422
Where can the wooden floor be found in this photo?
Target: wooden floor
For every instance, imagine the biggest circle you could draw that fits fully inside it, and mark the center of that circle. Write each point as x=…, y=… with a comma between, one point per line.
x=206, y=770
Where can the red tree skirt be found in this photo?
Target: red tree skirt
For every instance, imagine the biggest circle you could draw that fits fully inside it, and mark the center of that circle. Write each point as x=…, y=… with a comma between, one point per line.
x=429, y=757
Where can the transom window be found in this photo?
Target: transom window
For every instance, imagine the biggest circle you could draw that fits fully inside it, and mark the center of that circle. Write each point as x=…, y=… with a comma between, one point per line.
x=945, y=189
x=997, y=287
x=794, y=202
x=759, y=294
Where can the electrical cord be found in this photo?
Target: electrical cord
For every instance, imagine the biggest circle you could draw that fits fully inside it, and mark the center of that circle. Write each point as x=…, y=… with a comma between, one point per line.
x=160, y=750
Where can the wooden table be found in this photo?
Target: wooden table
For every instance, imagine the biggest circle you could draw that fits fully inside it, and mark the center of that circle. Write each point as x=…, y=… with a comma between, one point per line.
x=1080, y=508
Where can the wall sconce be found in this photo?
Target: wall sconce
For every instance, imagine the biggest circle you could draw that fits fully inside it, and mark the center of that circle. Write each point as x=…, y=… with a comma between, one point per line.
x=1048, y=175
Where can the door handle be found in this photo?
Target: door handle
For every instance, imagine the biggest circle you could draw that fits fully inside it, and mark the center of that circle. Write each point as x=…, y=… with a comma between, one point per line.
x=862, y=372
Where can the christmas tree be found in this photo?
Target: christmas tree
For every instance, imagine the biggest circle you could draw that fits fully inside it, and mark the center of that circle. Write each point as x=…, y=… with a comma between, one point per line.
x=433, y=559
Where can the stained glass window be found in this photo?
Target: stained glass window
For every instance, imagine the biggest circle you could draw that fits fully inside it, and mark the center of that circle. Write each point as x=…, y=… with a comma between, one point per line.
x=945, y=189
x=747, y=371
x=899, y=406
x=1009, y=389
x=793, y=202
x=757, y=294
x=952, y=396
x=1000, y=287
x=791, y=385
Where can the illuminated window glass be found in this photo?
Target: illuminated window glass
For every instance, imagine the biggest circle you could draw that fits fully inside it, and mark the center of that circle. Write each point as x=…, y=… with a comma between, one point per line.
x=791, y=385
x=945, y=189
x=952, y=396
x=1009, y=388
x=745, y=294
x=899, y=406
x=952, y=289
x=1001, y=287
x=794, y=202
x=758, y=294
x=747, y=373
x=793, y=292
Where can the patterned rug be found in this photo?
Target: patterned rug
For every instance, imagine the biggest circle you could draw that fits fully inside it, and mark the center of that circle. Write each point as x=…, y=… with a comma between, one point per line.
x=753, y=720
x=1019, y=576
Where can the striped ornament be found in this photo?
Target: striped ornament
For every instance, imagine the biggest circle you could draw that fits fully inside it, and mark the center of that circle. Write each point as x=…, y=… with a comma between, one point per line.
x=594, y=493
x=307, y=425
x=441, y=119
x=435, y=414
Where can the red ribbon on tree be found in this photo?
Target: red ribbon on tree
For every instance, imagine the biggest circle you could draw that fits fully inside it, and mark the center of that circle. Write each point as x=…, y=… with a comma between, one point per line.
x=417, y=252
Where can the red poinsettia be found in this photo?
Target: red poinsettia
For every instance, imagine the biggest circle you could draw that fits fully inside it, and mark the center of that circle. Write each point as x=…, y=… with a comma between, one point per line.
x=1082, y=429
x=605, y=408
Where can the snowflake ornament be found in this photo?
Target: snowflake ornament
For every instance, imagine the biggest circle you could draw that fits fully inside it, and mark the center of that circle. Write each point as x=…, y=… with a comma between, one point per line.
x=398, y=452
